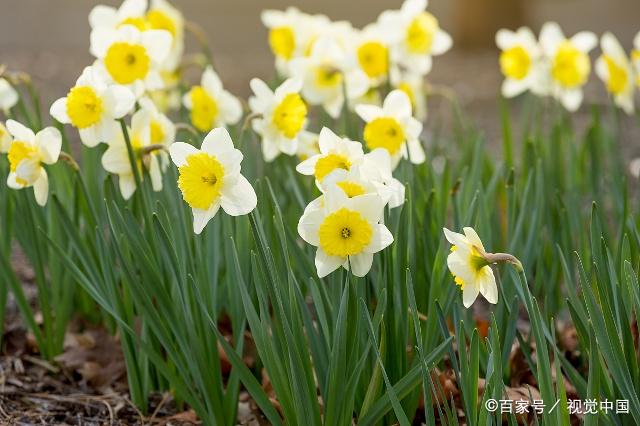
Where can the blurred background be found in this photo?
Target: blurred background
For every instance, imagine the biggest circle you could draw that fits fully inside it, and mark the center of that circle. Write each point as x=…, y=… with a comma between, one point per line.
x=49, y=39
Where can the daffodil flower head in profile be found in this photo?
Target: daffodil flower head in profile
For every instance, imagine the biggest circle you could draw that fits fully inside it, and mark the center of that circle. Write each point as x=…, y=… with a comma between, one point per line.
x=413, y=85
x=210, y=178
x=569, y=63
x=27, y=154
x=162, y=132
x=470, y=268
x=327, y=73
x=335, y=153
x=116, y=158
x=8, y=95
x=131, y=57
x=92, y=106
x=521, y=62
x=346, y=230
x=210, y=105
x=615, y=69
x=417, y=36
x=281, y=116
x=393, y=128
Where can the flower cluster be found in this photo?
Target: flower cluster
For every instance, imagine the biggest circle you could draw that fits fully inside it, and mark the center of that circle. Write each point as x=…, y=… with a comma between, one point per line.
x=338, y=63
x=559, y=66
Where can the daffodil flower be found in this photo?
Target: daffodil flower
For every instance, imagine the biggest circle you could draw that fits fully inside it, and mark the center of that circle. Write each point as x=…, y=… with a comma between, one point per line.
x=27, y=154
x=346, y=231
x=281, y=116
x=131, y=57
x=520, y=62
x=210, y=105
x=371, y=49
x=470, y=268
x=326, y=75
x=569, y=63
x=116, y=158
x=369, y=178
x=8, y=95
x=210, y=178
x=292, y=34
x=92, y=106
x=418, y=36
x=393, y=128
x=335, y=153
x=161, y=15
x=615, y=69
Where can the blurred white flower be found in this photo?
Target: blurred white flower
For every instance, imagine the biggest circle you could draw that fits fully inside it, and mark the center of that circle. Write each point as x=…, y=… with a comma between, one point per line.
x=92, y=106
x=569, y=63
x=327, y=74
x=282, y=116
x=210, y=105
x=615, y=69
x=8, y=95
x=521, y=63
x=417, y=36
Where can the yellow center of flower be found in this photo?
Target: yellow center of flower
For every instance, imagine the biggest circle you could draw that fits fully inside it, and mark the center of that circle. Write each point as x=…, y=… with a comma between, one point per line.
x=344, y=233
x=139, y=22
x=204, y=109
x=420, y=33
x=571, y=66
x=127, y=62
x=384, y=132
x=290, y=114
x=282, y=41
x=156, y=132
x=373, y=58
x=329, y=163
x=618, y=76
x=352, y=189
x=19, y=151
x=328, y=76
x=200, y=180
x=84, y=107
x=158, y=20
x=515, y=62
